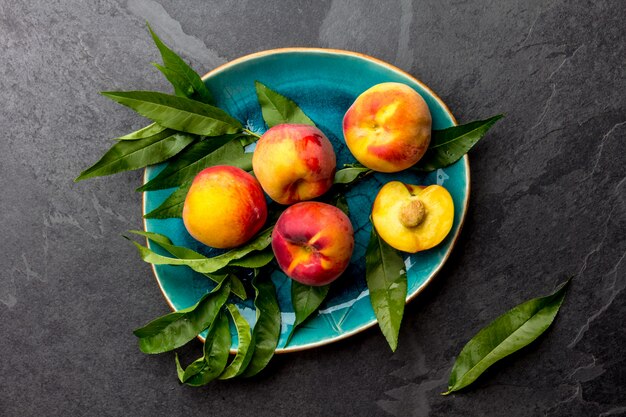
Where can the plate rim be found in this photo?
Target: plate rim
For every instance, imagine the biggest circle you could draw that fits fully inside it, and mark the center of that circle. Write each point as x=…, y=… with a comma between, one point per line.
x=342, y=52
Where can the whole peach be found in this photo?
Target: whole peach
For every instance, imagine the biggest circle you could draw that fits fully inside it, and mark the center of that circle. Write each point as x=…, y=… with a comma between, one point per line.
x=224, y=207
x=313, y=242
x=294, y=163
x=387, y=128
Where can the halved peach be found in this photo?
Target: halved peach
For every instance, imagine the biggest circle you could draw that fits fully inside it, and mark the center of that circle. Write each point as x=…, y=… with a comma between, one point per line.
x=412, y=218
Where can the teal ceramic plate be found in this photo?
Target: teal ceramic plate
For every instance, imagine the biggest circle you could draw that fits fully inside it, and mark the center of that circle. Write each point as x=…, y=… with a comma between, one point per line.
x=324, y=83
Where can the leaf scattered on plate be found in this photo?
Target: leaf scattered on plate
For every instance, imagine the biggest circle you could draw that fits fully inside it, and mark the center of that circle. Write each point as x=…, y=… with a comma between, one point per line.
x=387, y=283
x=267, y=327
x=278, y=109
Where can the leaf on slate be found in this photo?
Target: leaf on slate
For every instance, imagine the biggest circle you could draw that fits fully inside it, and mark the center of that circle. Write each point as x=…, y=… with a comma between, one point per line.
x=178, y=170
x=278, y=109
x=222, y=150
x=216, y=349
x=179, y=369
x=145, y=132
x=185, y=79
x=305, y=299
x=175, y=329
x=349, y=175
x=244, y=353
x=181, y=88
x=203, y=264
x=449, y=145
x=172, y=206
x=134, y=154
x=387, y=283
x=506, y=334
x=182, y=252
x=177, y=113
x=267, y=327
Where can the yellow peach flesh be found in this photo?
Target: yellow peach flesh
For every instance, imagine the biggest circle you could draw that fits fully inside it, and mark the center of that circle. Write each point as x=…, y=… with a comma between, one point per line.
x=435, y=225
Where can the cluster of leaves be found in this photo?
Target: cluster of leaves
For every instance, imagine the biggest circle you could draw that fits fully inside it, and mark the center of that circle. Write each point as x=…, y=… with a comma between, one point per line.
x=189, y=132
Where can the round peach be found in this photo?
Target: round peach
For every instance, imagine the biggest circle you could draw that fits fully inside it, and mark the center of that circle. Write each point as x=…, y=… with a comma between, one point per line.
x=313, y=242
x=294, y=163
x=224, y=207
x=412, y=218
x=387, y=128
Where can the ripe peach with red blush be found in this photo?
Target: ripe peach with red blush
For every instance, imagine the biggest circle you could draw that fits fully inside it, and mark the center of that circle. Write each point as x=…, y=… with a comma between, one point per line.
x=388, y=127
x=294, y=162
x=313, y=242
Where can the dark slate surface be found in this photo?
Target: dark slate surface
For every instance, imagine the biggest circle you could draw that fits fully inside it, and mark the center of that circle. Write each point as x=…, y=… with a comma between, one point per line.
x=548, y=200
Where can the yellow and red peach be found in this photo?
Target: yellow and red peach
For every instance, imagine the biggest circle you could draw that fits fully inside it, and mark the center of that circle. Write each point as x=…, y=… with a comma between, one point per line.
x=225, y=207
x=313, y=242
x=388, y=127
x=294, y=163
x=412, y=218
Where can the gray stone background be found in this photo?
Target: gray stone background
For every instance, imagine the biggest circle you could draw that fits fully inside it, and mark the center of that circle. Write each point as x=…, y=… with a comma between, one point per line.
x=548, y=201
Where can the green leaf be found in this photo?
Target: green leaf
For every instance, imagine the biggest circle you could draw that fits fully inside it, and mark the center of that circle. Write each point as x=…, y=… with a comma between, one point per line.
x=175, y=329
x=181, y=252
x=305, y=299
x=182, y=77
x=244, y=353
x=172, y=206
x=386, y=279
x=339, y=200
x=216, y=349
x=506, y=334
x=177, y=113
x=133, y=154
x=267, y=328
x=256, y=259
x=145, y=132
x=203, y=264
x=181, y=88
x=183, y=169
x=222, y=150
x=449, y=145
x=278, y=109
x=236, y=286
x=348, y=175
x=179, y=369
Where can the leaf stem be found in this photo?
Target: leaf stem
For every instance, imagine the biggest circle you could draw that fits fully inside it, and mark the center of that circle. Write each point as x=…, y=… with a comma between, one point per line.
x=251, y=133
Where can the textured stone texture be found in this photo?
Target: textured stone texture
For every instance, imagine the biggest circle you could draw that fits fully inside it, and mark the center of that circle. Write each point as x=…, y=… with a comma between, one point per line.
x=548, y=201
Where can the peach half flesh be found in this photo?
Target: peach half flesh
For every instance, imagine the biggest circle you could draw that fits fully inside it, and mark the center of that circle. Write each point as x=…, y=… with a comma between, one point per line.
x=294, y=162
x=313, y=242
x=412, y=218
x=225, y=207
x=388, y=127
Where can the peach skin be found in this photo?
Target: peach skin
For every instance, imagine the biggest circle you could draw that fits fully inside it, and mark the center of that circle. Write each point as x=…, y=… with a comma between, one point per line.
x=387, y=128
x=294, y=163
x=412, y=218
x=313, y=242
x=224, y=207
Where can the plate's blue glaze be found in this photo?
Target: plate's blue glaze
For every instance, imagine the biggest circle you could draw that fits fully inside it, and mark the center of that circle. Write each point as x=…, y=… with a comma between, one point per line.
x=324, y=83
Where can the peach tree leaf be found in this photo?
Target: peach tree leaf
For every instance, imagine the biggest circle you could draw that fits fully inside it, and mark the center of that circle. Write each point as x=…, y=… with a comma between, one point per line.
x=278, y=109
x=508, y=333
